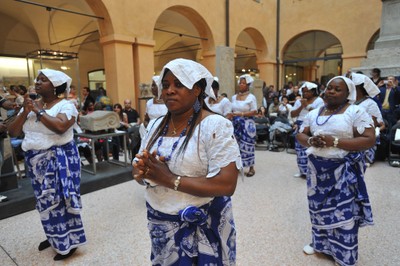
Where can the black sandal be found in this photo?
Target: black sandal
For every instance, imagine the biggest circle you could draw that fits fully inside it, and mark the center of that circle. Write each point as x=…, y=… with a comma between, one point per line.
x=62, y=257
x=43, y=245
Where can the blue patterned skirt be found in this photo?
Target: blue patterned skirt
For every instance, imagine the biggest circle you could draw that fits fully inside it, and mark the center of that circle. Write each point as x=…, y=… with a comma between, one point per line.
x=55, y=175
x=301, y=152
x=245, y=133
x=338, y=205
x=370, y=153
x=197, y=236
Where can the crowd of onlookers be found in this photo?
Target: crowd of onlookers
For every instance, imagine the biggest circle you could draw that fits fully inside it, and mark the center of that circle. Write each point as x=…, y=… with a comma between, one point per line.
x=274, y=116
x=90, y=101
x=278, y=105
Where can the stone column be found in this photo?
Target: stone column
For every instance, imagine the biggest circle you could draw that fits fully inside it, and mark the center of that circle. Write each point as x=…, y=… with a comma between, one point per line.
x=386, y=54
x=267, y=71
x=119, y=69
x=225, y=70
x=143, y=56
x=389, y=35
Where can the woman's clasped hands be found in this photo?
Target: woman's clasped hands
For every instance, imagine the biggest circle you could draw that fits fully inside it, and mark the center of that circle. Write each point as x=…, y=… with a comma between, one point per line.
x=151, y=167
x=321, y=141
x=30, y=105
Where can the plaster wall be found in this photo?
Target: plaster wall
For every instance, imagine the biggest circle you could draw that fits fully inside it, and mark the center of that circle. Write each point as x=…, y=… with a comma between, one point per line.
x=127, y=33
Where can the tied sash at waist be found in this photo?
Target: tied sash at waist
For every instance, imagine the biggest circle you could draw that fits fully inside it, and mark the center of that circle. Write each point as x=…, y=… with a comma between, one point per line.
x=196, y=224
x=337, y=193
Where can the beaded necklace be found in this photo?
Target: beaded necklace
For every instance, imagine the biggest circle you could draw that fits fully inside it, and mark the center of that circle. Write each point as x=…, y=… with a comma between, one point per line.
x=167, y=158
x=329, y=117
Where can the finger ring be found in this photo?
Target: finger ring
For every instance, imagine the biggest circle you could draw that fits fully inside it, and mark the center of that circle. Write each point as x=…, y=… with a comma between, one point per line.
x=147, y=171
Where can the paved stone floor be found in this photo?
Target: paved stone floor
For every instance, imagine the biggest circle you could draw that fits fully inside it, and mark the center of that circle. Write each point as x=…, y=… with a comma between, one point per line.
x=271, y=215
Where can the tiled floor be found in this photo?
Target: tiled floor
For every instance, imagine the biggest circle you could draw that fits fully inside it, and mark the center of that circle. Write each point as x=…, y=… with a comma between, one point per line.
x=271, y=217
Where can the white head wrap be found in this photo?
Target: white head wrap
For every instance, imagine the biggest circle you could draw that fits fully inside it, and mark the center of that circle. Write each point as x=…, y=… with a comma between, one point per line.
x=216, y=79
x=309, y=86
x=56, y=77
x=350, y=86
x=189, y=73
x=369, y=85
x=249, y=79
x=155, y=79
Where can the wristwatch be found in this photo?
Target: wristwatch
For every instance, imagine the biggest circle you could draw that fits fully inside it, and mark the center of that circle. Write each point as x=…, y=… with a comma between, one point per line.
x=39, y=114
x=177, y=182
x=335, y=142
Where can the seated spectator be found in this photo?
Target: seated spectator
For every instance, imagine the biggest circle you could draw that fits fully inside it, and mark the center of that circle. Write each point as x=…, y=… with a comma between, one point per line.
x=273, y=109
x=104, y=99
x=376, y=77
x=72, y=97
x=133, y=130
x=285, y=108
x=86, y=98
x=124, y=125
x=294, y=95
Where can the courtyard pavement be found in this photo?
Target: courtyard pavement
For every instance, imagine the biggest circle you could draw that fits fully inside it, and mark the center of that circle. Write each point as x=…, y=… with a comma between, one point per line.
x=270, y=211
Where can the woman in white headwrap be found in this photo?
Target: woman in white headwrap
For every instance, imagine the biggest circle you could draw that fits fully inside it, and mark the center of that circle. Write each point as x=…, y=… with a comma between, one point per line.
x=221, y=105
x=244, y=108
x=189, y=162
x=336, y=134
x=155, y=108
x=366, y=91
x=309, y=101
x=53, y=161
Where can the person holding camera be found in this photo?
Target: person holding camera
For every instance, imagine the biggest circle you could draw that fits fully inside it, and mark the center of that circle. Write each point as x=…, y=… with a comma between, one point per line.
x=390, y=99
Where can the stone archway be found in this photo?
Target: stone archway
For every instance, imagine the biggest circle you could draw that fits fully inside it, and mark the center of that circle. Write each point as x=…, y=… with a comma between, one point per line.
x=313, y=56
x=250, y=58
x=177, y=34
x=250, y=50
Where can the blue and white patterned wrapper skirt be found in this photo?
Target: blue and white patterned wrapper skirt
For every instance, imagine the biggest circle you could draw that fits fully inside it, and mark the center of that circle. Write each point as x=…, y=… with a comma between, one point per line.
x=338, y=205
x=55, y=175
x=245, y=134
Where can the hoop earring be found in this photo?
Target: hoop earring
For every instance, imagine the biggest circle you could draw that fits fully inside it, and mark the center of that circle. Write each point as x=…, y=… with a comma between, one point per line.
x=55, y=91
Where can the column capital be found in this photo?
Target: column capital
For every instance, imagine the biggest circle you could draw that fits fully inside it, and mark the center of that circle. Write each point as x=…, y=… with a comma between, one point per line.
x=145, y=42
x=117, y=38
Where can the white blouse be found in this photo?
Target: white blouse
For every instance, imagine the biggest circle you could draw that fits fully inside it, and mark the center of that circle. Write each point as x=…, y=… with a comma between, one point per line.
x=155, y=110
x=316, y=104
x=372, y=108
x=223, y=107
x=249, y=104
x=211, y=147
x=285, y=111
x=339, y=125
x=39, y=137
